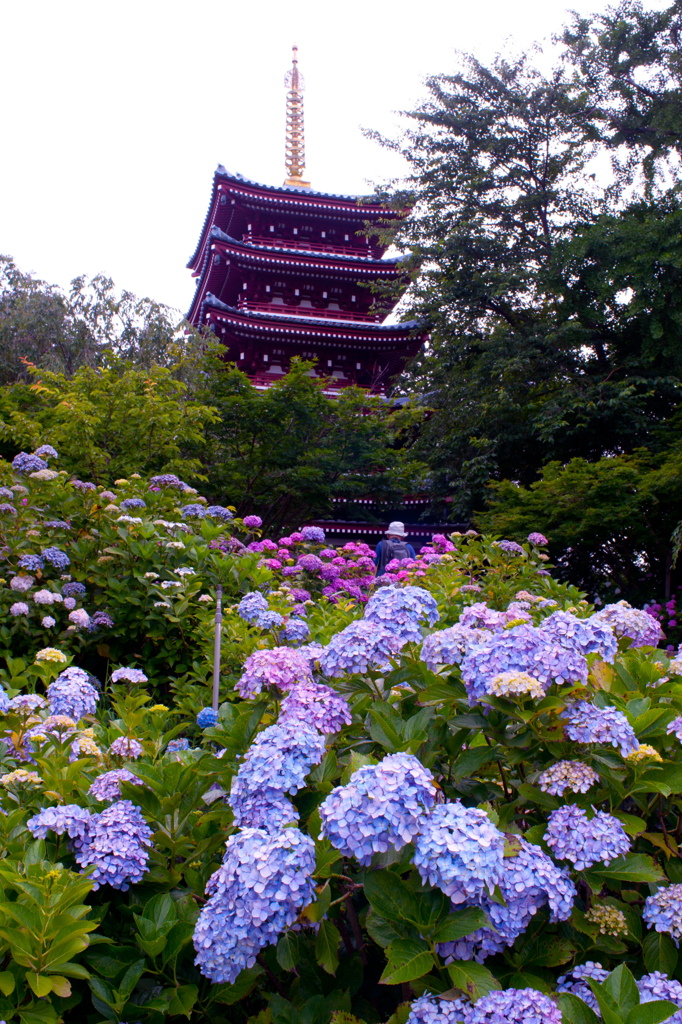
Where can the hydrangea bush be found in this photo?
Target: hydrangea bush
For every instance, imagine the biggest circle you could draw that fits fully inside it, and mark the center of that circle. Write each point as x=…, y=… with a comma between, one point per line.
x=450, y=796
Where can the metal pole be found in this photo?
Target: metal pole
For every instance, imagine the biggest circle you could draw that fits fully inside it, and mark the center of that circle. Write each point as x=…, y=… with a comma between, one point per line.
x=216, y=645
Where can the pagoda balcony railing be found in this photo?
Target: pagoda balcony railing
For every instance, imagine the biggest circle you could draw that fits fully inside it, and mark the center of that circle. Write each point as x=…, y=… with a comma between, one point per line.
x=261, y=380
x=321, y=314
x=270, y=242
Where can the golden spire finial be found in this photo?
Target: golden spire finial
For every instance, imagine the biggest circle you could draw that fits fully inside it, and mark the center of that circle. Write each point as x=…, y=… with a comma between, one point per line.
x=295, y=141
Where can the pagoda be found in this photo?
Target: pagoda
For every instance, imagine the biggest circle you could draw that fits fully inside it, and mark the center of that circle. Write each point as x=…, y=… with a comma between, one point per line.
x=287, y=271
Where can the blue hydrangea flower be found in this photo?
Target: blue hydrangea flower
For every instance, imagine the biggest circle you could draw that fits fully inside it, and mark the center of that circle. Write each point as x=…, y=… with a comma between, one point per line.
x=643, y=629
x=573, y=776
x=510, y=547
x=46, y=451
x=128, y=675
x=318, y=705
x=27, y=703
x=589, y=724
x=515, y=1006
x=25, y=463
x=573, y=982
x=361, y=646
x=8, y=510
x=448, y=646
x=129, y=503
x=72, y=694
x=313, y=534
x=382, y=807
x=32, y=563
x=174, y=745
x=278, y=668
x=56, y=558
x=588, y=636
x=663, y=911
x=585, y=841
x=258, y=892
x=522, y=648
x=659, y=986
x=69, y=818
x=295, y=630
x=269, y=620
x=529, y=880
x=167, y=480
x=116, y=844
x=100, y=620
x=251, y=606
x=459, y=850
x=207, y=718
x=219, y=512
x=193, y=511
x=4, y=700
x=270, y=810
x=430, y=1009
x=73, y=589
x=107, y=786
x=480, y=616
x=401, y=610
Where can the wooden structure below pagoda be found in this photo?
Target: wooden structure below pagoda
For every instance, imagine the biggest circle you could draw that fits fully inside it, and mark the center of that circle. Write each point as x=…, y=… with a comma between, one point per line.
x=285, y=271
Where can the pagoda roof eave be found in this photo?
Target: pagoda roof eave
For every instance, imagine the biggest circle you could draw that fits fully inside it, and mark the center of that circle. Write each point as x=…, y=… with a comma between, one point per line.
x=385, y=263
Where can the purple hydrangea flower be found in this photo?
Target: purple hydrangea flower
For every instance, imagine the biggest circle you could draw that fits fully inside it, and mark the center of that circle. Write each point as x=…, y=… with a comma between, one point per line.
x=313, y=534
x=263, y=883
x=430, y=1009
x=515, y=1006
x=72, y=694
x=402, y=609
x=101, y=620
x=251, y=606
x=311, y=563
x=46, y=451
x=129, y=503
x=520, y=649
x=448, y=646
x=573, y=776
x=7, y=510
x=19, y=608
x=174, y=745
x=382, y=807
x=252, y=522
x=269, y=620
x=25, y=463
x=27, y=703
x=295, y=630
x=128, y=675
x=573, y=982
x=659, y=986
x=318, y=705
x=124, y=746
x=361, y=646
x=480, y=616
x=280, y=667
x=626, y=621
x=193, y=511
x=538, y=539
x=584, y=635
x=116, y=844
x=509, y=546
x=207, y=718
x=73, y=589
x=663, y=911
x=585, y=841
x=219, y=512
x=31, y=563
x=589, y=724
x=675, y=728
x=167, y=480
x=69, y=818
x=459, y=850
x=56, y=558
x=107, y=785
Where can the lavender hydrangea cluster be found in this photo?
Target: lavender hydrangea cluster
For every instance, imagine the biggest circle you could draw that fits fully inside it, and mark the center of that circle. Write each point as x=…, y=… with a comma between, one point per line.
x=56, y=557
x=402, y=609
x=126, y=746
x=659, y=986
x=129, y=503
x=663, y=911
x=382, y=807
x=279, y=668
x=27, y=703
x=295, y=630
x=107, y=786
x=361, y=646
x=313, y=534
x=529, y=881
x=219, y=512
x=480, y=616
x=588, y=636
x=116, y=845
x=72, y=694
x=252, y=522
x=430, y=1009
x=515, y=1006
x=46, y=451
x=276, y=763
x=640, y=627
x=31, y=563
x=25, y=463
x=573, y=776
x=207, y=718
x=675, y=728
x=128, y=675
x=269, y=620
x=319, y=705
x=263, y=883
x=73, y=589
x=193, y=511
x=573, y=836
x=574, y=982
x=460, y=851
x=510, y=547
x=251, y=606
x=589, y=724
x=522, y=648
x=69, y=818
x=449, y=646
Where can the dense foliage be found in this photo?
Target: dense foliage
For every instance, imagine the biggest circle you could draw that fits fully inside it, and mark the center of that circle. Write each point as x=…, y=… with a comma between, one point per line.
x=450, y=797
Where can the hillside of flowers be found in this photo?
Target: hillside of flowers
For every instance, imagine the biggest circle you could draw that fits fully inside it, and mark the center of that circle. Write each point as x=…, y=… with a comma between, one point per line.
x=450, y=795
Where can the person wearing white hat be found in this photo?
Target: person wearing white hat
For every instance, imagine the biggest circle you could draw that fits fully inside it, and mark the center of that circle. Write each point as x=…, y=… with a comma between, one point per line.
x=394, y=546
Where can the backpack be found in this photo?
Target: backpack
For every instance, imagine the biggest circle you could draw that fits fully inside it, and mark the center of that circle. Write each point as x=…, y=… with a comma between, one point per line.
x=393, y=548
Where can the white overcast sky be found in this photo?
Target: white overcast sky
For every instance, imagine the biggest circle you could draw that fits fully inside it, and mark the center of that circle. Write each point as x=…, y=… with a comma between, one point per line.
x=114, y=115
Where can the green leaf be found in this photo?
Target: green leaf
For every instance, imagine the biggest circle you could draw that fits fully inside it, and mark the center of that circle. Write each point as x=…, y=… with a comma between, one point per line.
x=40, y=983
x=407, y=959
x=287, y=951
x=229, y=994
x=608, y=1007
x=472, y=978
x=621, y=985
x=471, y=761
x=651, y=1013
x=7, y=983
x=633, y=867
x=660, y=953
x=459, y=924
x=390, y=897
x=327, y=947
x=183, y=1000
x=575, y=1011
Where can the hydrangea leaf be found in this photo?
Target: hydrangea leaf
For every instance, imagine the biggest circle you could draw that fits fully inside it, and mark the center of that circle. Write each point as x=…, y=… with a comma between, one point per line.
x=390, y=897
x=459, y=924
x=407, y=959
x=660, y=953
x=652, y=1013
x=327, y=947
x=632, y=867
x=575, y=1011
x=621, y=985
x=472, y=978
